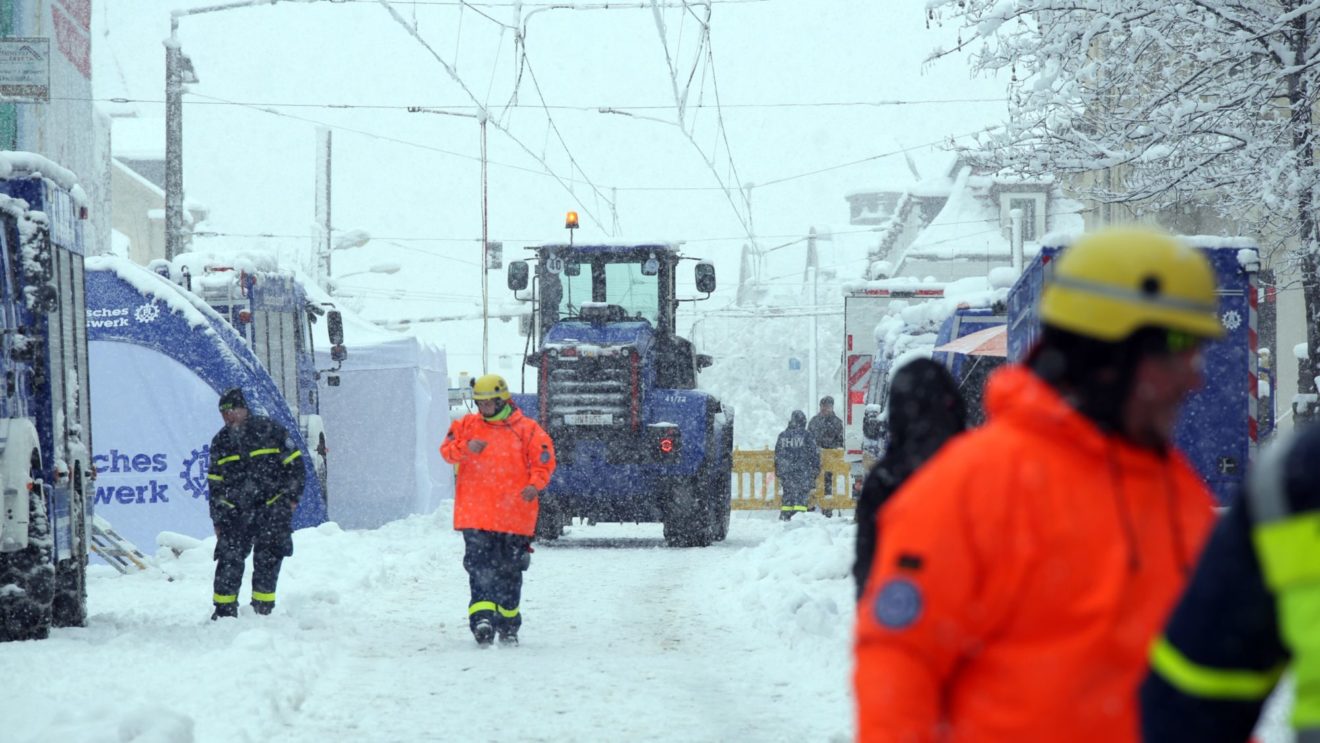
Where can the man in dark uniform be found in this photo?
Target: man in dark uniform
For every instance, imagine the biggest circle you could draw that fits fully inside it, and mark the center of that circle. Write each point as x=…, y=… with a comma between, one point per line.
x=826, y=426
x=797, y=465
x=828, y=430
x=256, y=477
x=1251, y=612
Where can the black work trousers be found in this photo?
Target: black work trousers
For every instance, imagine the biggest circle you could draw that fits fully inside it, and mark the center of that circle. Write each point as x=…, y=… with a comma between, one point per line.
x=266, y=532
x=495, y=562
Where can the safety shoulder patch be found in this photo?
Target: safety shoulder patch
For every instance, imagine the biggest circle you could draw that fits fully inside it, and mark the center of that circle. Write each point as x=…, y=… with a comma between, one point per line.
x=898, y=604
x=909, y=561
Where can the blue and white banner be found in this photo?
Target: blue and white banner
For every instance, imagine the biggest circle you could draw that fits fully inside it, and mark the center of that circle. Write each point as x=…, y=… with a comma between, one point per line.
x=152, y=424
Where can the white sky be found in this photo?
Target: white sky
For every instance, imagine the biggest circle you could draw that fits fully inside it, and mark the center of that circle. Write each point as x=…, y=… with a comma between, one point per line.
x=255, y=170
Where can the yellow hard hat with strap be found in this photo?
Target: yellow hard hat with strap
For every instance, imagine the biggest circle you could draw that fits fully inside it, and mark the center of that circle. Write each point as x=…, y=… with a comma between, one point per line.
x=1111, y=283
x=490, y=387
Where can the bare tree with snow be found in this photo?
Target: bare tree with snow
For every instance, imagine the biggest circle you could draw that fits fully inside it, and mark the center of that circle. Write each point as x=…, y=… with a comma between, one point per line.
x=1194, y=106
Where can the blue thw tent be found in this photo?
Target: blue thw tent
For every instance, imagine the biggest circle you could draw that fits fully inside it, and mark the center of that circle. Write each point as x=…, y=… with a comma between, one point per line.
x=159, y=359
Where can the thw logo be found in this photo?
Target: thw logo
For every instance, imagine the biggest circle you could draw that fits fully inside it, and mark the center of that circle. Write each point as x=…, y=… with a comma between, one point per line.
x=194, y=472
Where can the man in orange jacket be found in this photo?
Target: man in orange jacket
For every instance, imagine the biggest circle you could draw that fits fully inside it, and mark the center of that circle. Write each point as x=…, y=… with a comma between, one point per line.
x=1023, y=573
x=503, y=459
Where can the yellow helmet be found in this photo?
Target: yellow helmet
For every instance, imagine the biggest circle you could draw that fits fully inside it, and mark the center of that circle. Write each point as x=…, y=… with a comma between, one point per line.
x=489, y=387
x=1110, y=283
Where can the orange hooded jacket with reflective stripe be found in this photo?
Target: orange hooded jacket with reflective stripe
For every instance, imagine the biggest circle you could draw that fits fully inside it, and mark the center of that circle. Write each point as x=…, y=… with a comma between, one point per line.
x=1021, y=577
x=518, y=453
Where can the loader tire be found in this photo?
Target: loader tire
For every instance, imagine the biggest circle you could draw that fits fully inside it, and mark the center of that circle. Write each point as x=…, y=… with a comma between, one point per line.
x=687, y=514
x=549, y=520
x=723, y=504
x=27, y=579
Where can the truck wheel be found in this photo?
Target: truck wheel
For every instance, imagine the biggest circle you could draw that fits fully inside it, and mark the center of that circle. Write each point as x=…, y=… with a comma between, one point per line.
x=27, y=579
x=69, y=607
x=687, y=515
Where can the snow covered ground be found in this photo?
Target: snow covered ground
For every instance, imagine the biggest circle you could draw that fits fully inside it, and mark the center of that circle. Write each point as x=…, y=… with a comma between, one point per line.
x=624, y=639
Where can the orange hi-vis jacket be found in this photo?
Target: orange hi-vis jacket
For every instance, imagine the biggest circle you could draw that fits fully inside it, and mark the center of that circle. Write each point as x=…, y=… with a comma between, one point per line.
x=1021, y=577
x=518, y=453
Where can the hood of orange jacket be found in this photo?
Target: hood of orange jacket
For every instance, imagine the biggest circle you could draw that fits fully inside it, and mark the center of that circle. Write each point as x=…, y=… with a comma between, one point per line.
x=1021, y=576
x=518, y=453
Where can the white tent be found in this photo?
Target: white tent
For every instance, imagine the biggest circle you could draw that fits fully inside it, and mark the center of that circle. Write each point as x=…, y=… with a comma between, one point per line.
x=383, y=425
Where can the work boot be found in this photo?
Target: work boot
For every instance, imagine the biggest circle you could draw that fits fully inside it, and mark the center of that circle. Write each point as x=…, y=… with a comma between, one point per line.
x=263, y=608
x=785, y=515
x=508, y=636
x=224, y=610
x=483, y=631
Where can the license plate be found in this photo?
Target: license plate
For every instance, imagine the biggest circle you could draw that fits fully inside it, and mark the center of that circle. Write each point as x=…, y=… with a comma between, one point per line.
x=589, y=419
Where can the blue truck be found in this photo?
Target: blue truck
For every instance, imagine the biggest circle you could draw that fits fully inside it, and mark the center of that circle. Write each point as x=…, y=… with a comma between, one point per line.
x=972, y=366
x=270, y=309
x=617, y=392
x=45, y=414
x=1222, y=422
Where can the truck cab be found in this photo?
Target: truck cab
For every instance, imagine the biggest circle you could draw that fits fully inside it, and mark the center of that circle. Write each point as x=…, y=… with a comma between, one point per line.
x=1223, y=422
x=971, y=361
x=617, y=391
x=45, y=420
x=270, y=309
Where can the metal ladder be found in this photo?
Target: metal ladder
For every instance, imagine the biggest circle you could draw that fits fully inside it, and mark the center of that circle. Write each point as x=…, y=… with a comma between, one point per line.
x=116, y=550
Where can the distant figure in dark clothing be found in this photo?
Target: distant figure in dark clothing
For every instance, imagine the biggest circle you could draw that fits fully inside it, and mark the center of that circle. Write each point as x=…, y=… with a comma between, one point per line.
x=925, y=410
x=797, y=464
x=827, y=427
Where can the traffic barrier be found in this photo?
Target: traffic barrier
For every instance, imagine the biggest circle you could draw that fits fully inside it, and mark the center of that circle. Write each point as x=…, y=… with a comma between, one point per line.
x=755, y=487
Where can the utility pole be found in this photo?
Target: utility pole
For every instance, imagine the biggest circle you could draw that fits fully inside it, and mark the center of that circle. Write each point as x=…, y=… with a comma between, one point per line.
x=485, y=254
x=481, y=117
x=813, y=265
x=324, y=150
x=179, y=72
x=175, y=62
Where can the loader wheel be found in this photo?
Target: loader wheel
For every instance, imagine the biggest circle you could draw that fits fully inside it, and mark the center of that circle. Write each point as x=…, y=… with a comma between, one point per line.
x=723, y=499
x=687, y=515
x=27, y=578
x=549, y=520
x=69, y=607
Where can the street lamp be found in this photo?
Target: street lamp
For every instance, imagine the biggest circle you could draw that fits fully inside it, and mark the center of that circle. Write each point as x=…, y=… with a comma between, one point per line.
x=332, y=284
x=481, y=117
x=179, y=72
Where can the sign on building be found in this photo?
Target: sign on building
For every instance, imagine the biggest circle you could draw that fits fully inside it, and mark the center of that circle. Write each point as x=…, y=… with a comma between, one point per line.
x=25, y=68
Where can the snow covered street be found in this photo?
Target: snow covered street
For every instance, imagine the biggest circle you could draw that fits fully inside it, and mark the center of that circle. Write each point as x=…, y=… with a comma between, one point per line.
x=624, y=639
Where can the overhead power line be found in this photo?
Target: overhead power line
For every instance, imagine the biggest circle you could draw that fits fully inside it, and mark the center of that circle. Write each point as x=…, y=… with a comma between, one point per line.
x=595, y=108
x=453, y=74
x=556, y=6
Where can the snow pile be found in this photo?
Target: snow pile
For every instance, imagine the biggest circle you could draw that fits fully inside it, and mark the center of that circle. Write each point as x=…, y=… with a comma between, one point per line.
x=369, y=641
x=799, y=583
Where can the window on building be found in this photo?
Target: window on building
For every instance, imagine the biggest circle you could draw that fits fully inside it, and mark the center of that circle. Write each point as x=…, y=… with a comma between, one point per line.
x=1033, y=214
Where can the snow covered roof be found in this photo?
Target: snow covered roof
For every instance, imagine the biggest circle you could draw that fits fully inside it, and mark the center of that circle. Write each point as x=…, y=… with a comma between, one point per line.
x=13, y=163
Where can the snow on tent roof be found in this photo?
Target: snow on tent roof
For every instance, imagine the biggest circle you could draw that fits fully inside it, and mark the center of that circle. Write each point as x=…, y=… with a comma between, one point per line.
x=129, y=304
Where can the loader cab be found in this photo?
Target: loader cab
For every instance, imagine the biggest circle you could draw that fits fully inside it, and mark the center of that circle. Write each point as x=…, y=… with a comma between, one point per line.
x=606, y=284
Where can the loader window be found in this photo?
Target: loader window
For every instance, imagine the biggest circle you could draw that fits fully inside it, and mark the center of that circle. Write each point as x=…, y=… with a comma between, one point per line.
x=624, y=285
